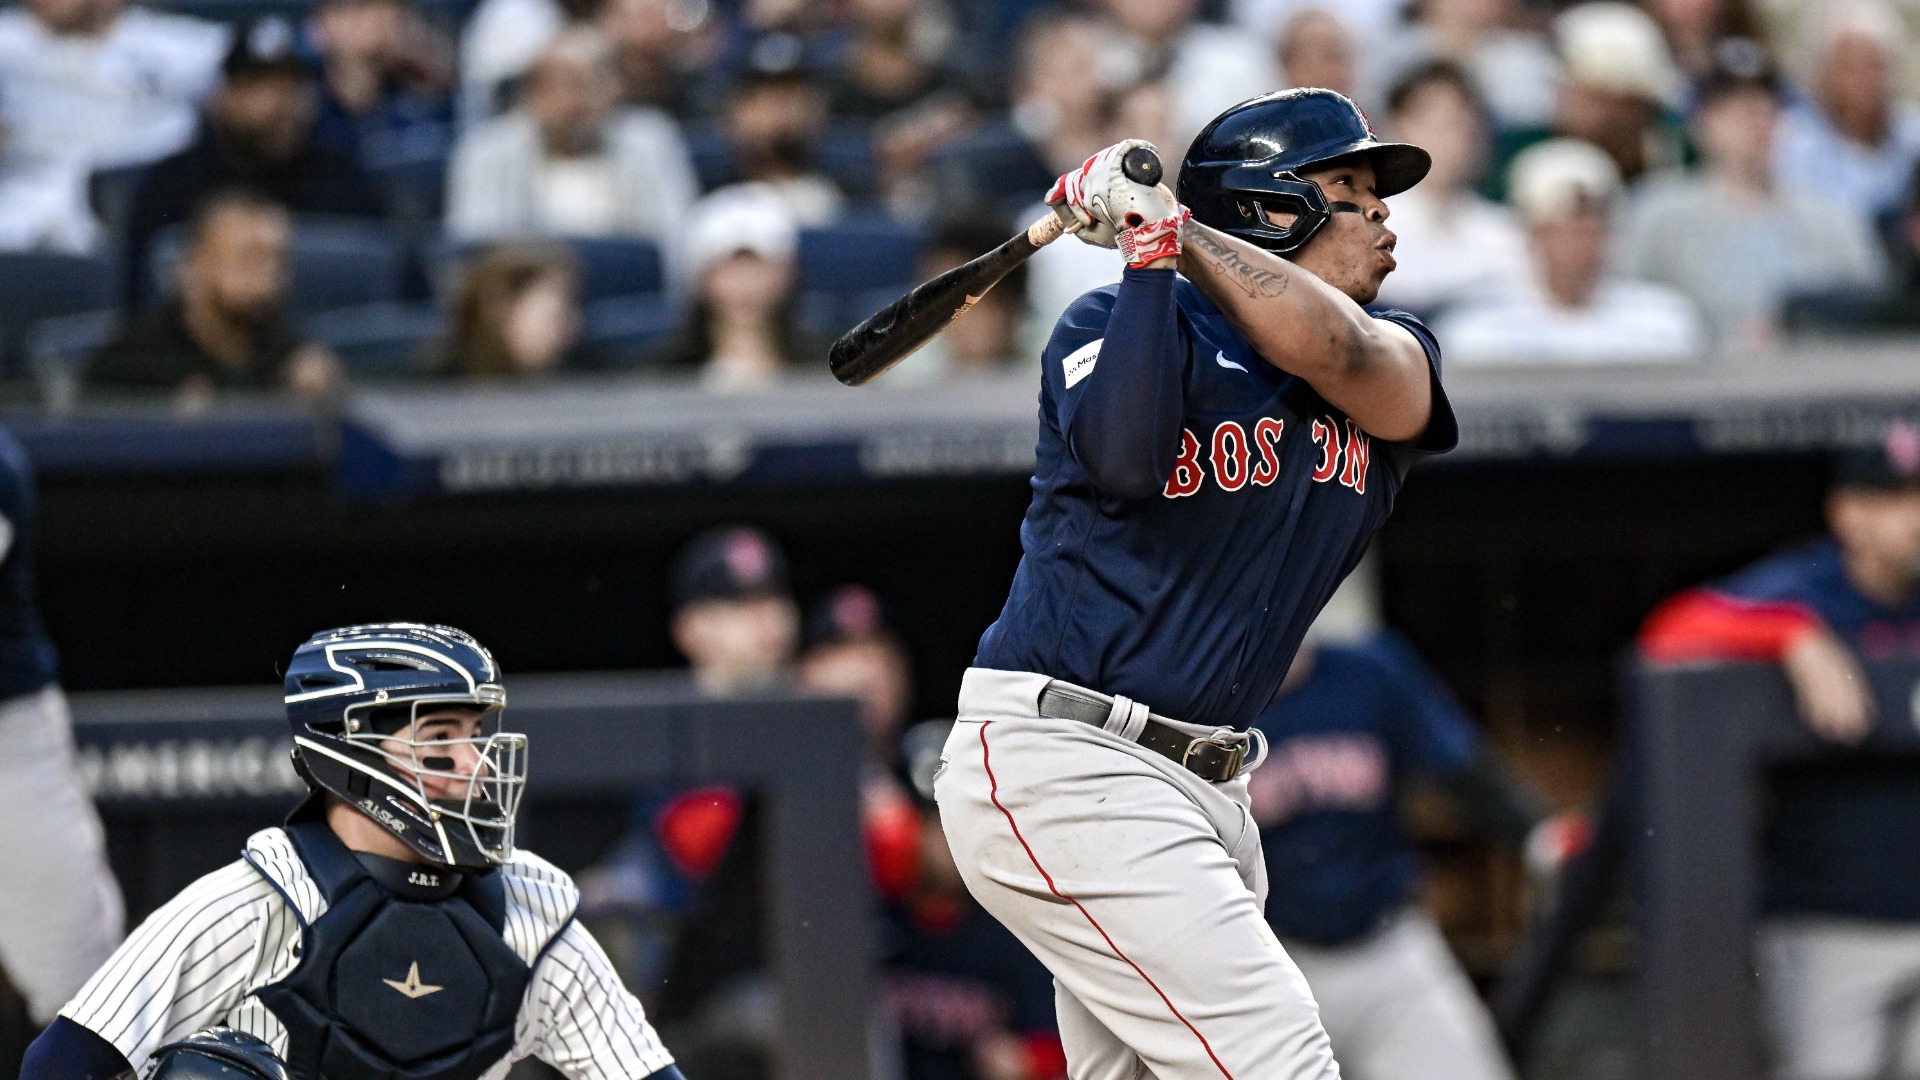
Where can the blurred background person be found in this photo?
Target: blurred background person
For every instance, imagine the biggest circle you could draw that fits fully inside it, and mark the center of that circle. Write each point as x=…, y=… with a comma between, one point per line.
x=61, y=913
x=225, y=328
x=1850, y=140
x=1067, y=72
x=1358, y=719
x=1896, y=306
x=772, y=124
x=968, y=1000
x=1207, y=67
x=86, y=85
x=386, y=82
x=995, y=336
x=1693, y=29
x=1512, y=67
x=258, y=134
x=1454, y=243
x=1729, y=238
x=1313, y=47
x=1616, y=90
x=1838, y=947
x=518, y=313
x=663, y=50
x=570, y=161
x=1573, y=310
x=740, y=330
x=734, y=615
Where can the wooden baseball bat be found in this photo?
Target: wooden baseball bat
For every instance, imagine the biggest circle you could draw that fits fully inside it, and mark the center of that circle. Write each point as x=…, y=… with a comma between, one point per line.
x=891, y=334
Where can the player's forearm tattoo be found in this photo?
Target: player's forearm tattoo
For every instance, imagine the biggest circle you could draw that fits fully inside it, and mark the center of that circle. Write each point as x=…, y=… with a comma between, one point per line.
x=1248, y=278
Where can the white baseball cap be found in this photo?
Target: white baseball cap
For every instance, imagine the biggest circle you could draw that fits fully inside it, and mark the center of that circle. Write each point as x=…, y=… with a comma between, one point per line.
x=1616, y=46
x=750, y=218
x=1549, y=181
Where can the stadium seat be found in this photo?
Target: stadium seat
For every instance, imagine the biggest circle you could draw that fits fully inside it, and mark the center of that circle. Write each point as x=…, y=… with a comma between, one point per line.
x=619, y=332
x=845, y=265
x=337, y=262
x=609, y=266
x=381, y=341
x=36, y=286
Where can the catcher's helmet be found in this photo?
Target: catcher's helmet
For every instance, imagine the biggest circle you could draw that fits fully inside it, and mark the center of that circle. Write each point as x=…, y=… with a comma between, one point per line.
x=217, y=1054
x=1247, y=161
x=353, y=695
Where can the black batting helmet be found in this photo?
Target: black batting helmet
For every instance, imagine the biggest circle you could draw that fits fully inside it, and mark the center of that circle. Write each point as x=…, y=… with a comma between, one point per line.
x=1247, y=161
x=217, y=1054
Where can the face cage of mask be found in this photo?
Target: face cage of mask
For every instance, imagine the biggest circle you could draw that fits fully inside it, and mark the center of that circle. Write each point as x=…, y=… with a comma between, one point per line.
x=493, y=789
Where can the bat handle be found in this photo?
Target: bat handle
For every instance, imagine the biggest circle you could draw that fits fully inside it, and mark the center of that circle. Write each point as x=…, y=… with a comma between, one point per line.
x=1051, y=228
x=1142, y=166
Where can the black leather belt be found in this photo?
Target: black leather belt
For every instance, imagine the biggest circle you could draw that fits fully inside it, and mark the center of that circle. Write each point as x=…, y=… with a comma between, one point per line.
x=1210, y=758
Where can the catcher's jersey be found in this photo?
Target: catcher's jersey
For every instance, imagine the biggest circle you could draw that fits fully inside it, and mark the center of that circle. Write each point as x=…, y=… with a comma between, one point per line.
x=199, y=959
x=1194, y=600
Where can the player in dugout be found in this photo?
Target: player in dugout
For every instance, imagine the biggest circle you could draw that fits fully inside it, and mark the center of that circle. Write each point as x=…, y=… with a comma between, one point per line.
x=391, y=930
x=1839, y=943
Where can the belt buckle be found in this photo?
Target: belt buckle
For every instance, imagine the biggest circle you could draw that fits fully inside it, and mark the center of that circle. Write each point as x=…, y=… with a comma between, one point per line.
x=1218, y=758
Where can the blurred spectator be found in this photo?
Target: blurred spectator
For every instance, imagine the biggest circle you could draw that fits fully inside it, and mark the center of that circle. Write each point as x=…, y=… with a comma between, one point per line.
x=569, y=161
x=518, y=313
x=1694, y=27
x=970, y=1002
x=500, y=41
x=225, y=329
x=1206, y=67
x=1514, y=70
x=1897, y=307
x=258, y=135
x=773, y=123
x=1853, y=141
x=85, y=85
x=1371, y=21
x=1618, y=85
x=740, y=331
x=1453, y=243
x=664, y=50
x=1357, y=720
x=1839, y=942
x=1574, y=312
x=734, y=615
x=1066, y=74
x=988, y=338
x=852, y=652
x=1728, y=237
x=1314, y=48
x=386, y=82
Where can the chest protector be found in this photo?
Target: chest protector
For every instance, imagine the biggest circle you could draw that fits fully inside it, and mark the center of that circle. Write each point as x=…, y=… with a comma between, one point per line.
x=392, y=987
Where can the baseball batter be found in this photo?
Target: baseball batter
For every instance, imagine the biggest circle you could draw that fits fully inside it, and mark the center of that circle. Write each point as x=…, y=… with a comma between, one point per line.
x=391, y=931
x=1217, y=446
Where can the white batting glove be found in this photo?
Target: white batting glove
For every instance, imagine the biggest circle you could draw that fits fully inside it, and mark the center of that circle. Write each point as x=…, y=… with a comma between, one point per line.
x=1106, y=203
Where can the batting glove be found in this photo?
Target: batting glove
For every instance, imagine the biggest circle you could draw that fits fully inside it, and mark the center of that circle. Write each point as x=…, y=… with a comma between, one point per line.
x=1160, y=239
x=1100, y=197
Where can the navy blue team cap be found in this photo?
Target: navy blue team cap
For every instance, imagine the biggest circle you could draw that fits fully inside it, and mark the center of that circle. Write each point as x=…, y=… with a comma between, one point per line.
x=1893, y=462
x=847, y=615
x=729, y=563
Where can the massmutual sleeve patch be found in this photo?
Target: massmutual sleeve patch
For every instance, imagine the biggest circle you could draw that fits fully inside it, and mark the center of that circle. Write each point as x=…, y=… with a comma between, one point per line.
x=1078, y=364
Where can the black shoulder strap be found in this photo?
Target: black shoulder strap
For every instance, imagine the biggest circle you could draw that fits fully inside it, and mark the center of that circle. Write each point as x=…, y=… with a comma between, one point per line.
x=333, y=867
x=488, y=895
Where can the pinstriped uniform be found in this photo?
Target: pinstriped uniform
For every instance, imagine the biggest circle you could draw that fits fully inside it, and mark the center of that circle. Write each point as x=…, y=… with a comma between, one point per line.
x=198, y=960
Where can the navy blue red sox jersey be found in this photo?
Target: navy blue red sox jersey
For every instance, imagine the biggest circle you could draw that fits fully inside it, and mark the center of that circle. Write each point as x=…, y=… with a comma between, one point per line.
x=1845, y=835
x=1343, y=740
x=1194, y=600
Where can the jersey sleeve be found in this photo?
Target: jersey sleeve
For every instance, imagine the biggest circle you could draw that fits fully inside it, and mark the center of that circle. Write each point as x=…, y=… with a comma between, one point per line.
x=1115, y=371
x=1443, y=428
x=182, y=969
x=582, y=1020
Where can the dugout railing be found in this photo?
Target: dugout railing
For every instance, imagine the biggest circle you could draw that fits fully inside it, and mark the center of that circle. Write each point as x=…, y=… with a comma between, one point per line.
x=179, y=774
x=1683, y=821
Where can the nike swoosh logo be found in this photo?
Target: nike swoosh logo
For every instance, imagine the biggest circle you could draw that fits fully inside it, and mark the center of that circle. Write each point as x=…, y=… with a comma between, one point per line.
x=1221, y=359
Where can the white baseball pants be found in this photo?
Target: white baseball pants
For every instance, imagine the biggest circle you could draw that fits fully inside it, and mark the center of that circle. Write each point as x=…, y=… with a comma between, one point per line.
x=60, y=909
x=1398, y=1007
x=1139, y=885
x=1843, y=997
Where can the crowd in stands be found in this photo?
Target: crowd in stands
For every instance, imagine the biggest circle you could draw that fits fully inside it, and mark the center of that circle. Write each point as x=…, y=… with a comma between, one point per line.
x=712, y=188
